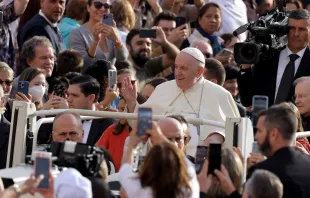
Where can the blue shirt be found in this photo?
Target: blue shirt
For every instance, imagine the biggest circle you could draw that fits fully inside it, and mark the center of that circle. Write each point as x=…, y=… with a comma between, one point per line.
x=66, y=25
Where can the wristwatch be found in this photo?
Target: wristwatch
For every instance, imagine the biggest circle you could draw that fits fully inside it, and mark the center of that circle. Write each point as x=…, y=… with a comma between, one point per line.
x=17, y=190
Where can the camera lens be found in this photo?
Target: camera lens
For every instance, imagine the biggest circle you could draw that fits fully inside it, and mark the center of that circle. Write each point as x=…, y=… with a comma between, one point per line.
x=249, y=52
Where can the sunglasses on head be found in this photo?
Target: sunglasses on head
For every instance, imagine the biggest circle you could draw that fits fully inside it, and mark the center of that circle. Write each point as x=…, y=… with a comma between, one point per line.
x=7, y=82
x=98, y=5
x=119, y=85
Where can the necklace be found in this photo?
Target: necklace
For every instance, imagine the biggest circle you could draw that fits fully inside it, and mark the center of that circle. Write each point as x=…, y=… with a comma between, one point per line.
x=197, y=113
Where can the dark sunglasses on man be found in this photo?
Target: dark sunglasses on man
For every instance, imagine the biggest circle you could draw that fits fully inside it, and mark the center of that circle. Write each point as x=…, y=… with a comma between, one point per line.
x=7, y=82
x=98, y=5
x=119, y=85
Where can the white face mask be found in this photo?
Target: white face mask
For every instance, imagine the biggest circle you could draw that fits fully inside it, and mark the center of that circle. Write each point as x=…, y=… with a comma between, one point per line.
x=37, y=93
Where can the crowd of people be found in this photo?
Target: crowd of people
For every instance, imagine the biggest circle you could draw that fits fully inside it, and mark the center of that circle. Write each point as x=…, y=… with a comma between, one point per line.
x=64, y=49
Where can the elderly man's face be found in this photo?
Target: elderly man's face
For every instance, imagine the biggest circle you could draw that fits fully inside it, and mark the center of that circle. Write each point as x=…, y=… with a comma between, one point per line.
x=173, y=131
x=44, y=59
x=66, y=127
x=187, y=71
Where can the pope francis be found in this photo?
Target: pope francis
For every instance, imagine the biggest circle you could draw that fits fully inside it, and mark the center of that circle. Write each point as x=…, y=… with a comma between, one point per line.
x=189, y=95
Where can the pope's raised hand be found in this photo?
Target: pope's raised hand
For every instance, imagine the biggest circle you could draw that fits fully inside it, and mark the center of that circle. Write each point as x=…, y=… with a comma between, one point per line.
x=129, y=92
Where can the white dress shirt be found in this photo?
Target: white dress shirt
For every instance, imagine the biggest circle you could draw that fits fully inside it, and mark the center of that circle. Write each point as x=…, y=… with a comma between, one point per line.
x=86, y=127
x=284, y=59
x=234, y=15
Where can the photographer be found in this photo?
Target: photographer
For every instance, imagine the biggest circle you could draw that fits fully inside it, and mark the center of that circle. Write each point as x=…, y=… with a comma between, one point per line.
x=274, y=77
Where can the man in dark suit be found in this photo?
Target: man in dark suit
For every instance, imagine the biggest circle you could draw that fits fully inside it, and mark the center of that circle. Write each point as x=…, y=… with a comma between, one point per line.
x=275, y=134
x=274, y=77
x=83, y=93
x=45, y=24
x=4, y=131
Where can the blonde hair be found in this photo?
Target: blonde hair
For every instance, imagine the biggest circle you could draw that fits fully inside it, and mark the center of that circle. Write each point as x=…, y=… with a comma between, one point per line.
x=234, y=166
x=123, y=14
x=6, y=68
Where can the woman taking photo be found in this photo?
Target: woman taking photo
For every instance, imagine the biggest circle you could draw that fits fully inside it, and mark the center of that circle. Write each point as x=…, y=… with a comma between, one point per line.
x=96, y=40
x=164, y=173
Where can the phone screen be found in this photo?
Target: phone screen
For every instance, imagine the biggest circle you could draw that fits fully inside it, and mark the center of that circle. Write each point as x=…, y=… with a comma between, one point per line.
x=144, y=120
x=214, y=157
x=112, y=79
x=259, y=103
x=42, y=167
x=201, y=156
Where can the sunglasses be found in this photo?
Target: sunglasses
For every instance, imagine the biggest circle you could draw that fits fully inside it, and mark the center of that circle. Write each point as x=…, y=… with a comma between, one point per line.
x=119, y=85
x=98, y=5
x=7, y=82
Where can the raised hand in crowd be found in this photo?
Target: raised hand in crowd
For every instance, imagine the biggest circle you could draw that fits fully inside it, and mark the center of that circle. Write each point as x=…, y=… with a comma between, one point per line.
x=253, y=159
x=56, y=102
x=160, y=36
x=204, y=179
x=29, y=186
x=109, y=97
x=301, y=148
x=49, y=193
x=225, y=181
x=129, y=92
x=111, y=33
x=178, y=34
x=21, y=97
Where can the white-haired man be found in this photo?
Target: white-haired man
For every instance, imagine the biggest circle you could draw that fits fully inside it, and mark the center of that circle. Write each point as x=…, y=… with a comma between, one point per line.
x=189, y=95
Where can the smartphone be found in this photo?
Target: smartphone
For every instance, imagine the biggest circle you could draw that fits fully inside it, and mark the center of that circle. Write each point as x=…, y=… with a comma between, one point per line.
x=147, y=33
x=144, y=120
x=108, y=19
x=255, y=147
x=259, y=103
x=1, y=21
x=23, y=87
x=42, y=166
x=179, y=20
x=214, y=157
x=112, y=79
x=226, y=52
x=201, y=156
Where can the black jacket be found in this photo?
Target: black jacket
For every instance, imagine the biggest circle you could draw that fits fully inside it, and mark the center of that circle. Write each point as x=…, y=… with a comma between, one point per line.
x=292, y=168
x=38, y=26
x=4, y=140
x=261, y=79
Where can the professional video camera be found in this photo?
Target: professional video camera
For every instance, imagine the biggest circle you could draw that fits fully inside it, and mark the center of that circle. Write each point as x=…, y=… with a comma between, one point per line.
x=85, y=158
x=268, y=35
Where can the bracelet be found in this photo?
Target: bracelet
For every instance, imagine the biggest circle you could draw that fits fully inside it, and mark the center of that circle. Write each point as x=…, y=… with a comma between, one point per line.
x=89, y=54
x=17, y=190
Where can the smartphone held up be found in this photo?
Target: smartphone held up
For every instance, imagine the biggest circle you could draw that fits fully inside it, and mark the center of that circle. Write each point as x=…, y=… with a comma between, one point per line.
x=42, y=166
x=144, y=121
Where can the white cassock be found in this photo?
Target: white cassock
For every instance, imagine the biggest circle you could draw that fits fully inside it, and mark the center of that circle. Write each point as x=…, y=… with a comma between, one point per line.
x=204, y=100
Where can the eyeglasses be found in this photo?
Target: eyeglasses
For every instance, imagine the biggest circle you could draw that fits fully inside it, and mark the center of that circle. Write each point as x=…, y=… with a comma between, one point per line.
x=98, y=5
x=119, y=85
x=7, y=82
